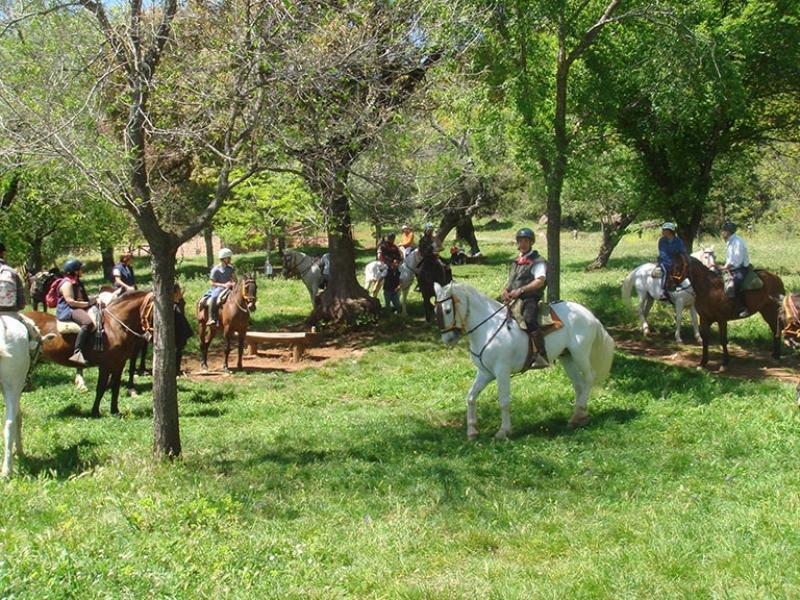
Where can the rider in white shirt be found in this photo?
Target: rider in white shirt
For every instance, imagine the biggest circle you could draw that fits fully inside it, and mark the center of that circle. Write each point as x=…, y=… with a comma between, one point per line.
x=737, y=262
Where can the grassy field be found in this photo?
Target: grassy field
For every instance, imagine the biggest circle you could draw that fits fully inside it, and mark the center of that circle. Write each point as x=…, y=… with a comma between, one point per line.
x=355, y=478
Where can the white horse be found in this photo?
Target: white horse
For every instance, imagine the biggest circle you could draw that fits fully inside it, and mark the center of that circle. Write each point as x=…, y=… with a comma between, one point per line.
x=375, y=271
x=14, y=363
x=648, y=288
x=499, y=347
x=307, y=268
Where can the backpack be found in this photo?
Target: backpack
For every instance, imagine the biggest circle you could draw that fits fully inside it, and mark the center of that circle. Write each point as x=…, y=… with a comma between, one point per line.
x=51, y=297
x=8, y=288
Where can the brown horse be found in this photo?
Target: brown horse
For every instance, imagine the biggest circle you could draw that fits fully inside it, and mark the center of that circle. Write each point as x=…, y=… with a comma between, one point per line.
x=234, y=318
x=714, y=306
x=122, y=323
x=790, y=320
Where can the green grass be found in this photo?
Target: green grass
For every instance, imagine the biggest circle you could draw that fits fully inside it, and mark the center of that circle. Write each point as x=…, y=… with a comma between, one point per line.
x=355, y=479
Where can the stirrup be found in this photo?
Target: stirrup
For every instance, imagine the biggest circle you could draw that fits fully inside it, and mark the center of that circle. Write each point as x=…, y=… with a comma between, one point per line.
x=77, y=358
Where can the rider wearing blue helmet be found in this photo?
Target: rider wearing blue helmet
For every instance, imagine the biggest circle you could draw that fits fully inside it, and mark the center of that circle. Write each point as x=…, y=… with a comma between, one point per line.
x=73, y=305
x=527, y=279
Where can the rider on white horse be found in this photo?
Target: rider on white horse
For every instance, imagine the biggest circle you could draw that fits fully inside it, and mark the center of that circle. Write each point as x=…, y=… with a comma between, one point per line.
x=527, y=279
x=669, y=246
x=222, y=277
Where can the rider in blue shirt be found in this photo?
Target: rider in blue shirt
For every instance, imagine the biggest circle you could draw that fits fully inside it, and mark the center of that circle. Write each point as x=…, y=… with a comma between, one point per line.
x=222, y=277
x=669, y=246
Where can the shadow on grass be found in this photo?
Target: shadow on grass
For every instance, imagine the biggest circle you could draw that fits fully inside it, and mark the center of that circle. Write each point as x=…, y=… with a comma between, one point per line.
x=624, y=263
x=64, y=462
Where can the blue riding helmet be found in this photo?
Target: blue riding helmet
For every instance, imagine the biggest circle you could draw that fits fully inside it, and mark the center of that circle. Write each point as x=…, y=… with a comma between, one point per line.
x=72, y=266
x=526, y=232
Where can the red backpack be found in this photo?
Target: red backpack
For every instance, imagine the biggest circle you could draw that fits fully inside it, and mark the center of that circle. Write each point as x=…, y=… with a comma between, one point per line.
x=51, y=297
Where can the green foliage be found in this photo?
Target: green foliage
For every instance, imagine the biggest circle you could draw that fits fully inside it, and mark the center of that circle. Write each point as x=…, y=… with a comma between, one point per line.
x=263, y=206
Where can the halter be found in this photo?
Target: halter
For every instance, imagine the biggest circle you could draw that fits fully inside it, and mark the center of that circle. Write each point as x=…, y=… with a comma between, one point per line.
x=792, y=316
x=464, y=330
x=248, y=299
x=295, y=268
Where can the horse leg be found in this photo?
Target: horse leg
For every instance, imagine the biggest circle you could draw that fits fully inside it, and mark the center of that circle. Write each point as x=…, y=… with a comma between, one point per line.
x=403, y=297
x=116, y=381
x=227, y=353
x=142, y=358
x=103, y=376
x=241, y=350
x=705, y=335
x=9, y=430
x=80, y=383
x=203, y=349
x=678, y=318
x=482, y=379
x=770, y=315
x=504, y=399
x=645, y=302
x=693, y=317
x=131, y=368
x=581, y=374
x=723, y=338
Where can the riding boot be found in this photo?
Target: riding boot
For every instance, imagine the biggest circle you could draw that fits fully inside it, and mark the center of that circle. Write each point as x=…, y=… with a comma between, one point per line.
x=540, y=360
x=213, y=311
x=81, y=343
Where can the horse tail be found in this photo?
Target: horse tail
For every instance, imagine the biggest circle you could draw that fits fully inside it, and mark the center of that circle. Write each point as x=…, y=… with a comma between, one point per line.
x=602, y=353
x=627, y=288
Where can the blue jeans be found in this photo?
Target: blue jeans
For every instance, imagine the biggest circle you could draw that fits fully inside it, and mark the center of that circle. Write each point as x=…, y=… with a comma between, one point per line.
x=391, y=298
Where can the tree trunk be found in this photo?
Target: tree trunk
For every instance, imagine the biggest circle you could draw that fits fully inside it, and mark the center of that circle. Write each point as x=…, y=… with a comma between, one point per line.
x=688, y=231
x=10, y=192
x=449, y=220
x=344, y=299
x=107, y=256
x=34, y=261
x=208, y=236
x=612, y=234
x=465, y=230
x=166, y=430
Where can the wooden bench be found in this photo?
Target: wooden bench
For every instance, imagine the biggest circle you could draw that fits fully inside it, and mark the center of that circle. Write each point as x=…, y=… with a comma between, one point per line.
x=298, y=341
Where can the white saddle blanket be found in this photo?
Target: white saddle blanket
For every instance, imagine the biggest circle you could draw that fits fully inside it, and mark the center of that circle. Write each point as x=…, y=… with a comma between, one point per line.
x=203, y=302
x=68, y=327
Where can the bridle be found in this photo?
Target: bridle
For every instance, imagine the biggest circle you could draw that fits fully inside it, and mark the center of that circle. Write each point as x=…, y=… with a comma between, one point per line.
x=462, y=328
x=249, y=300
x=294, y=266
x=146, y=334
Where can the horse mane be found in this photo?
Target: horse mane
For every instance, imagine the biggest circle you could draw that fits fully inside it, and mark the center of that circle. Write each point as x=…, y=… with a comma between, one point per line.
x=128, y=297
x=473, y=292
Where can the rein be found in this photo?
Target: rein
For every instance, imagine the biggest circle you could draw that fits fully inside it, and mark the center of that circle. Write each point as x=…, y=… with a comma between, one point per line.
x=465, y=331
x=141, y=336
x=243, y=296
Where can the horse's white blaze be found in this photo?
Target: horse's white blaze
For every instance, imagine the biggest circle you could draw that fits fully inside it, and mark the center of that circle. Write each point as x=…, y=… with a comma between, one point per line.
x=500, y=348
x=649, y=289
x=14, y=363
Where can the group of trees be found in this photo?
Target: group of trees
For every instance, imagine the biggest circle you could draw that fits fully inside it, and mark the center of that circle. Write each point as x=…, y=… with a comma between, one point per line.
x=252, y=114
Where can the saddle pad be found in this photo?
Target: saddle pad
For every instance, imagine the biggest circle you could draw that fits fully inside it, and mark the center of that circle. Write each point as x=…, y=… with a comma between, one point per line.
x=67, y=327
x=752, y=281
x=549, y=321
x=203, y=302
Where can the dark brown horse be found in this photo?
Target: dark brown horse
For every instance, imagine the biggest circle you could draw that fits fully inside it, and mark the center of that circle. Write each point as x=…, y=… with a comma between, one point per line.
x=234, y=318
x=122, y=324
x=432, y=270
x=714, y=306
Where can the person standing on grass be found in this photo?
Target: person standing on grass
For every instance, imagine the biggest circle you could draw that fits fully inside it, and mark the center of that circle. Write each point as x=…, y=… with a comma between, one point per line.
x=391, y=286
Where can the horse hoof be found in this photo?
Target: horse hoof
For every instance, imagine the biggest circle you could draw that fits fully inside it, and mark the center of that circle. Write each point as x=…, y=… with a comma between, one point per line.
x=116, y=415
x=82, y=389
x=473, y=435
x=95, y=415
x=576, y=422
x=501, y=435
x=723, y=368
x=132, y=393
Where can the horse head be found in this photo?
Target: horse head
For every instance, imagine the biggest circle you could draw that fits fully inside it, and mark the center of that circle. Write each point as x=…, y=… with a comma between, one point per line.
x=449, y=320
x=706, y=256
x=248, y=290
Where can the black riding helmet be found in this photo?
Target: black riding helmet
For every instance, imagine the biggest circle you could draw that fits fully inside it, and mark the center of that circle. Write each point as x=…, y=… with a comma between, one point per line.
x=526, y=232
x=391, y=237
x=731, y=227
x=72, y=266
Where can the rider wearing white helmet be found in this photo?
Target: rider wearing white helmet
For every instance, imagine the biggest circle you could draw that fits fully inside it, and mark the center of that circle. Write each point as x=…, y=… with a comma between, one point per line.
x=527, y=279
x=427, y=245
x=669, y=246
x=222, y=277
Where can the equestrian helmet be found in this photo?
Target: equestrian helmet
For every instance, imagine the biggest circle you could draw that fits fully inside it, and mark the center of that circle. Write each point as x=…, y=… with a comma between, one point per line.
x=72, y=266
x=728, y=226
x=428, y=227
x=670, y=226
x=225, y=253
x=406, y=227
x=526, y=232
x=391, y=236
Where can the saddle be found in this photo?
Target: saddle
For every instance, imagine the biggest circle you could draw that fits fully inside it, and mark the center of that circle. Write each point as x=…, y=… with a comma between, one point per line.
x=203, y=302
x=549, y=321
